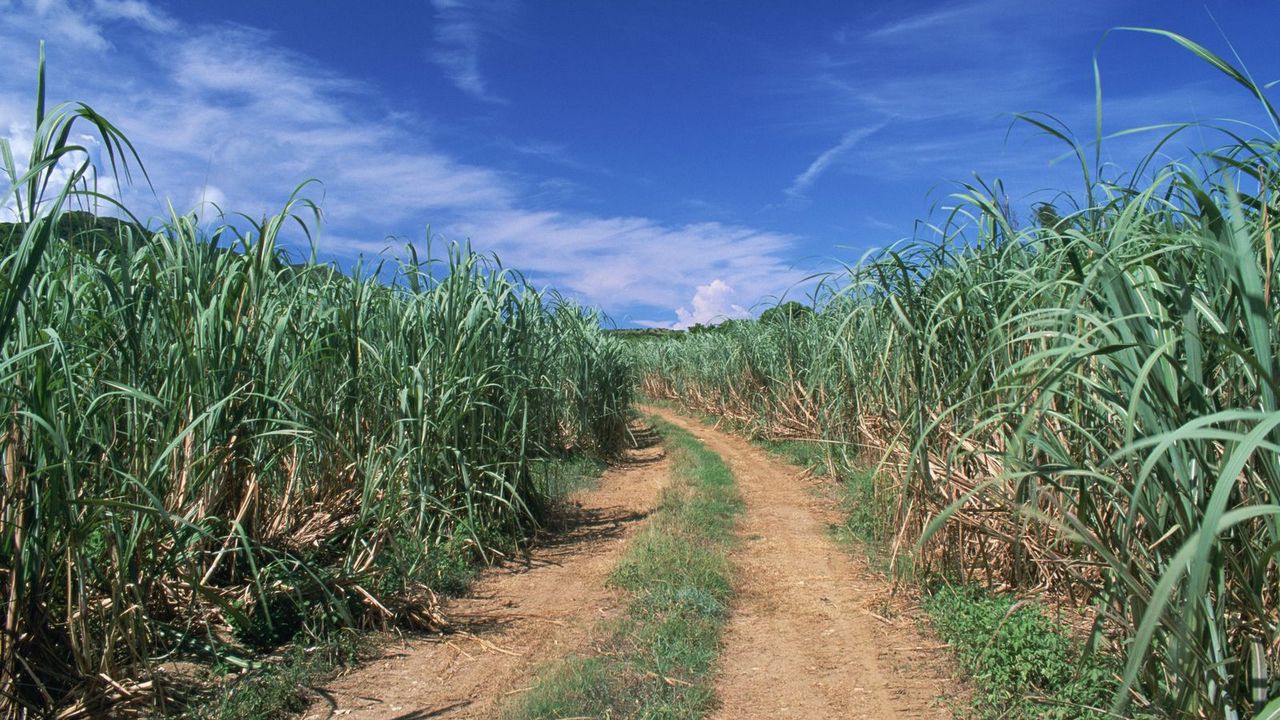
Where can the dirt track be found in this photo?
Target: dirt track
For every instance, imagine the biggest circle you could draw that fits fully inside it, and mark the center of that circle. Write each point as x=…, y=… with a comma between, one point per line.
x=520, y=615
x=809, y=635
x=805, y=639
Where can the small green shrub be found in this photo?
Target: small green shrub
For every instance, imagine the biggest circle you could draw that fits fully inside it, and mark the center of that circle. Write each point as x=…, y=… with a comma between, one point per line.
x=1022, y=663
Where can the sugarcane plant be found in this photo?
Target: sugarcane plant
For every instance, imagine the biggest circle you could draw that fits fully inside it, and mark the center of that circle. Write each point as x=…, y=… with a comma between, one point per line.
x=211, y=448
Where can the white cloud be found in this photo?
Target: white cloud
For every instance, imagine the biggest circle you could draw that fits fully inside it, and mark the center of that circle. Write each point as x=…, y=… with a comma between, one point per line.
x=819, y=165
x=879, y=224
x=229, y=64
x=961, y=70
x=634, y=261
x=460, y=25
x=209, y=199
x=946, y=22
x=81, y=21
x=712, y=304
x=136, y=11
x=20, y=135
x=62, y=22
x=226, y=106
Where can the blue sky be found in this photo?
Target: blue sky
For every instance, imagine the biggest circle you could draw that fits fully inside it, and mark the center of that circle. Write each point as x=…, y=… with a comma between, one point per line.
x=668, y=162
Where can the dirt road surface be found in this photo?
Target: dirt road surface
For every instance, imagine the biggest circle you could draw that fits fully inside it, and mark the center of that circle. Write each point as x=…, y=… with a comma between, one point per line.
x=805, y=639
x=810, y=636
x=518, y=616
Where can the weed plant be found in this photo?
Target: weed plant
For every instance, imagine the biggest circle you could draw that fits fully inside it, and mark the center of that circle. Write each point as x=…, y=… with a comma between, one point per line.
x=1022, y=663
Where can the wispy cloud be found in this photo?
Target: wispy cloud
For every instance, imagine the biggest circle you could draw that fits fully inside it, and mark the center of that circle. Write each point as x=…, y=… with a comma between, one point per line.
x=63, y=22
x=879, y=224
x=135, y=11
x=83, y=22
x=460, y=27
x=820, y=164
x=549, y=152
x=939, y=88
x=973, y=17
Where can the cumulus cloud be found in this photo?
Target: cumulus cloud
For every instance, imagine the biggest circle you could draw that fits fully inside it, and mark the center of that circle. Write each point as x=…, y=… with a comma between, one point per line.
x=209, y=199
x=712, y=304
x=20, y=136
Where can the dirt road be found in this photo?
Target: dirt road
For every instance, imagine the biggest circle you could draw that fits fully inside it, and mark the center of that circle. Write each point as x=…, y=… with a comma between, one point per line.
x=805, y=639
x=518, y=616
x=809, y=635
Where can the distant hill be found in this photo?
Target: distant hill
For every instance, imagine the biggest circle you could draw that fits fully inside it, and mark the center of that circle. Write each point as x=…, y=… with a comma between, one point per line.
x=85, y=229
x=644, y=332
x=95, y=233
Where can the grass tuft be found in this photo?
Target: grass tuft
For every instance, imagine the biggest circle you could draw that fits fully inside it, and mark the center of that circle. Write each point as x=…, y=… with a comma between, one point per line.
x=281, y=687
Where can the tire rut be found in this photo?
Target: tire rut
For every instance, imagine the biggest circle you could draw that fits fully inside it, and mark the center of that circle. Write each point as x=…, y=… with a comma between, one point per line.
x=518, y=616
x=805, y=640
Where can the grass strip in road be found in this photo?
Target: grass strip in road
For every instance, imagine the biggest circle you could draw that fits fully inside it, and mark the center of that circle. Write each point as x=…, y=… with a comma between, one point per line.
x=661, y=654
